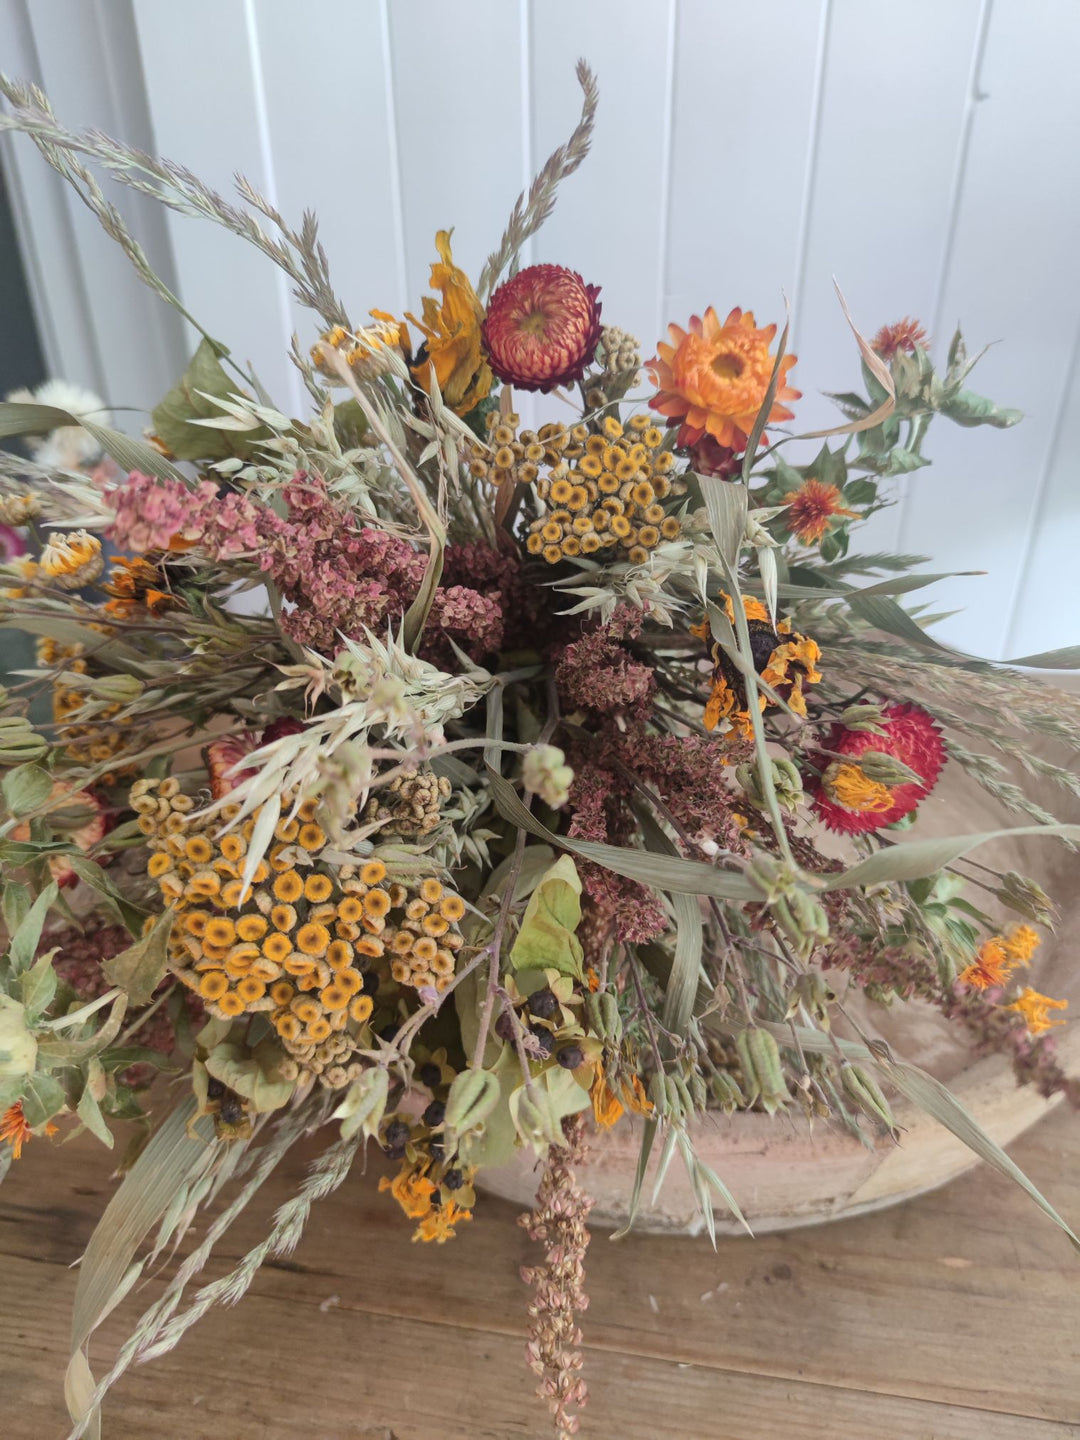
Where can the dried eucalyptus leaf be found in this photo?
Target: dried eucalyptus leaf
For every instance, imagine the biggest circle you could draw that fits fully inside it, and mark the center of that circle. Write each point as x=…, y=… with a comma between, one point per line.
x=140, y=968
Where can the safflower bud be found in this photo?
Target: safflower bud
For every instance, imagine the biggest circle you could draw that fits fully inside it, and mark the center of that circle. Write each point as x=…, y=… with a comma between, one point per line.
x=886, y=769
x=18, y=1048
x=546, y=773
x=864, y=717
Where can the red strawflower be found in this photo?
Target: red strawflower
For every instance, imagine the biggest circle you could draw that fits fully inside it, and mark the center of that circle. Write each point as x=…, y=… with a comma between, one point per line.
x=542, y=328
x=904, y=335
x=847, y=801
x=811, y=509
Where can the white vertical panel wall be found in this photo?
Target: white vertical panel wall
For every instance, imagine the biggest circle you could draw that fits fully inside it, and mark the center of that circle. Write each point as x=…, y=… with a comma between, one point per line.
x=927, y=155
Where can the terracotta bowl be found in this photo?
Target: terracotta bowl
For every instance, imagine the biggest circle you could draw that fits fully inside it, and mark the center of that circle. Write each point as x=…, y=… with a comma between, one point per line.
x=785, y=1174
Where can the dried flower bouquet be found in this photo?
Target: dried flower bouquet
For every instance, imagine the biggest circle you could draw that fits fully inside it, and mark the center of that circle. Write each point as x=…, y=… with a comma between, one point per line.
x=507, y=813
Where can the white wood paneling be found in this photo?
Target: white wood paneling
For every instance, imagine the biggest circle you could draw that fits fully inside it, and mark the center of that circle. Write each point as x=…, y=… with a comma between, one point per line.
x=927, y=155
x=1011, y=279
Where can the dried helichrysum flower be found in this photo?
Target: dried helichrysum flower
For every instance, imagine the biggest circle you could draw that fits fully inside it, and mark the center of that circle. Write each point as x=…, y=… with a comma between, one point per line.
x=850, y=800
x=542, y=327
x=559, y=1222
x=411, y=804
x=713, y=378
x=72, y=560
x=612, y=498
x=300, y=942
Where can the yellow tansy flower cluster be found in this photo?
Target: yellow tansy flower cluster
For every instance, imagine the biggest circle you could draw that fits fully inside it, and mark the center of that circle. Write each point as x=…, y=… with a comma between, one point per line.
x=305, y=943
x=100, y=737
x=610, y=499
x=509, y=456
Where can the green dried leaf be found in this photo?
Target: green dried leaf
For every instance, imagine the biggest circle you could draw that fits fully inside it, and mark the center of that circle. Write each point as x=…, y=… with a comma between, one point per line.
x=252, y=1074
x=89, y=1110
x=55, y=1054
x=364, y=1104
x=42, y=1097
x=171, y=1159
x=968, y=409
x=26, y=788
x=547, y=938
x=131, y=916
x=19, y=418
x=140, y=968
x=682, y=984
x=24, y=942
x=918, y=858
x=187, y=402
x=725, y=504
x=38, y=986
x=1065, y=659
x=885, y=614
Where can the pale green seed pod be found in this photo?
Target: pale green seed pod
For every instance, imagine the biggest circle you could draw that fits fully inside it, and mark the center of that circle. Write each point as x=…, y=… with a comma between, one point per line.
x=865, y=718
x=864, y=1091
x=759, y=1056
x=725, y=1090
x=886, y=769
x=473, y=1096
x=605, y=1021
x=19, y=741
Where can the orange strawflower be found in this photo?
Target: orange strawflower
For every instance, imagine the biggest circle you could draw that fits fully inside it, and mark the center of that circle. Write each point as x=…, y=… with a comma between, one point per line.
x=15, y=1130
x=1035, y=1009
x=904, y=335
x=712, y=379
x=811, y=509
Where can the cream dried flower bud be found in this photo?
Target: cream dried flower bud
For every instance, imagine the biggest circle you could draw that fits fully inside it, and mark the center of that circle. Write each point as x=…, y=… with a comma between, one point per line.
x=546, y=773
x=117, y=689
x=19, y=509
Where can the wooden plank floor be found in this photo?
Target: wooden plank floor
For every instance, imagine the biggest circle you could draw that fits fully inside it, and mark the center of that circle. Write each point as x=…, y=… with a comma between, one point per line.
x=954, y=1317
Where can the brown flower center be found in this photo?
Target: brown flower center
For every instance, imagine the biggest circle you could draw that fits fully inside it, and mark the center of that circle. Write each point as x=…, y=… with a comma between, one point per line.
x=728, y=367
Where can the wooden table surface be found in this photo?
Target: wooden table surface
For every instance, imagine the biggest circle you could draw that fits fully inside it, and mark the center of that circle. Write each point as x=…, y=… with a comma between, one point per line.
x=953, y=1317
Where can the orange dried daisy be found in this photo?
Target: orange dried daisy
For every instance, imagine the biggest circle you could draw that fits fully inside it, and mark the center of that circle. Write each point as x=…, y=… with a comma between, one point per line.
x=811, y=510
x=15, y=1131
x=713, y=378
x=1036, y=1008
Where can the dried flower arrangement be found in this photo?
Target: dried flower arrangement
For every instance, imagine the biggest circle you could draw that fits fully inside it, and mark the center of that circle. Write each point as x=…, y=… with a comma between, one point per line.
x=505, y=816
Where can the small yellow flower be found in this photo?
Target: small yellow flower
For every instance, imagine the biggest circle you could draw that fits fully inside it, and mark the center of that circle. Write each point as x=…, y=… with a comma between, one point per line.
x=1036, y=1008
x=288, y=887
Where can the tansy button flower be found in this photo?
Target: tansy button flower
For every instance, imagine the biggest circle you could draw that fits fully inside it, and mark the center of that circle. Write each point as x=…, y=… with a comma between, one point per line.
x=542, y=327
x=850, y=801
x=713, y=378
